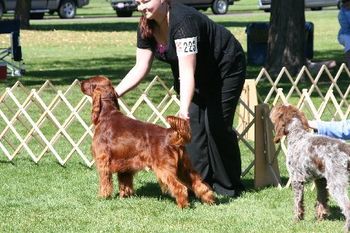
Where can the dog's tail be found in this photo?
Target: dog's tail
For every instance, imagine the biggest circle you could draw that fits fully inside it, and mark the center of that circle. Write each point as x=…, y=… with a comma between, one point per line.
x=182, y=134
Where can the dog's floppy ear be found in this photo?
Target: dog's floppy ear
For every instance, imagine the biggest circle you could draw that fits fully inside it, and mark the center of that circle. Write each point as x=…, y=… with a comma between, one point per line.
x=280, y=130
x=182, y=128
x=304, y=121
x=279, y=120
x=96, y=105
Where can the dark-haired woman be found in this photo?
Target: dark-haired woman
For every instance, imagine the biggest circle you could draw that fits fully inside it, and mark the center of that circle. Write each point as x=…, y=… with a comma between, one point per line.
x=208, y=65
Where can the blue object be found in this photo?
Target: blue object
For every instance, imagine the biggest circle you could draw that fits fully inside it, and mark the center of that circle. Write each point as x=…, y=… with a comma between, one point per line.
x=257, y=34
x=335, y=129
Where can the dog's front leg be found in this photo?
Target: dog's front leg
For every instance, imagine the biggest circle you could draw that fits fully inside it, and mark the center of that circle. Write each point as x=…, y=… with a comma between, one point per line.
x=298, y=188
x=105, y=175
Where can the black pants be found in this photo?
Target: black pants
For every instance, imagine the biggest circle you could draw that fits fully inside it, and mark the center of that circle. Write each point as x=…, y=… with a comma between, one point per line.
x=214, y=150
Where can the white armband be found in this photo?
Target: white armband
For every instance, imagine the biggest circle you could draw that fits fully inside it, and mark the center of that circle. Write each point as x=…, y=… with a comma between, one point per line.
x=186, y=46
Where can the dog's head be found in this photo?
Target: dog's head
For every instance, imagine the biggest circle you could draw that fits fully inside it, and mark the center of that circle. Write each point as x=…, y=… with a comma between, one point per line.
x=282, y=115
x=88, y=86
x=99, y=88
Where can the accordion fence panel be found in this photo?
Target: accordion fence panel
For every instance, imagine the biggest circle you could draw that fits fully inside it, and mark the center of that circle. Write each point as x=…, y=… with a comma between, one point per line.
x=50, y=123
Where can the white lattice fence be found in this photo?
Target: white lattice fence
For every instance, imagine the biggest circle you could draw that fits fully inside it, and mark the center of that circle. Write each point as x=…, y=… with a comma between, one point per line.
x=48, y=122
x=318, y=86
x=45, y=121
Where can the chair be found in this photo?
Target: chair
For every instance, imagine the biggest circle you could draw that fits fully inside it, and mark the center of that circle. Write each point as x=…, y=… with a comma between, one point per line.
x=12, y=55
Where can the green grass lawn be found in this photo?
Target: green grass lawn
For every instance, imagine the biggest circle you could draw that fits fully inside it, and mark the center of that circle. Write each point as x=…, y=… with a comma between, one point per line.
x=47, y=197
x=51, y=198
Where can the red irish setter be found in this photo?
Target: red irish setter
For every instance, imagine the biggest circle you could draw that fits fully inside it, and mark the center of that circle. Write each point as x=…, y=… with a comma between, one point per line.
x=124, y=146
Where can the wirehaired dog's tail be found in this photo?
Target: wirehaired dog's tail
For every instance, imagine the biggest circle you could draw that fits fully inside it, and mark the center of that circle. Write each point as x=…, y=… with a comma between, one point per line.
x=182, y=134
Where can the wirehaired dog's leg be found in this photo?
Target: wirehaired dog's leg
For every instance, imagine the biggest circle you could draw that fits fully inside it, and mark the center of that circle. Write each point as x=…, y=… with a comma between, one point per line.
x=167, y=175
x=339, y=191
x=125, y=181
x=105, y=175
x=322, y=199
x=298, y=188
x=193, y=180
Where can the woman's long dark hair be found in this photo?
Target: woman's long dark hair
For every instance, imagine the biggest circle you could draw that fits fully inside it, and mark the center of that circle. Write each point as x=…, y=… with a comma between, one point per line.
x=147, y=25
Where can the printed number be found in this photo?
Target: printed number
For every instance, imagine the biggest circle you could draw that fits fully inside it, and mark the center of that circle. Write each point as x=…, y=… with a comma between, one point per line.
x=189, y=47
x=186, y=46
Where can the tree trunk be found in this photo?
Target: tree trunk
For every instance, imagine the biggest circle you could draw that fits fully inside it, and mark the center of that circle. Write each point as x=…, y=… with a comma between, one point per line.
x=286, y=41
x=22, y=12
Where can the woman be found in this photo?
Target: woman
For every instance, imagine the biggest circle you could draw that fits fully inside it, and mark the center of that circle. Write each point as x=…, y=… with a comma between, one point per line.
x=208, y=65
x=344, y=31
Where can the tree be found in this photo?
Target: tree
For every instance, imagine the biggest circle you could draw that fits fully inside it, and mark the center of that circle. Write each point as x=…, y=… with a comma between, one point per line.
x=286, y=41
x=22, y=12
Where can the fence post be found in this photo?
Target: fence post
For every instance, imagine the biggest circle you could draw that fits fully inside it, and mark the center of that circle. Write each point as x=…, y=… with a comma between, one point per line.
x=249, y=97
x=266, y=171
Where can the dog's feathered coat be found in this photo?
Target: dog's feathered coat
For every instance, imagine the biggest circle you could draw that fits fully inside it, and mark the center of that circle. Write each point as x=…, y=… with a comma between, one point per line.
x=321, y=158
x=123, y=145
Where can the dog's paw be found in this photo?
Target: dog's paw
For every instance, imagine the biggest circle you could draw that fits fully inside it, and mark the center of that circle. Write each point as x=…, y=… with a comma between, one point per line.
x=298, y=217
x=105, y=192
x=126, y=192
x=322, y=211
x=208, y=198
x=183, y=204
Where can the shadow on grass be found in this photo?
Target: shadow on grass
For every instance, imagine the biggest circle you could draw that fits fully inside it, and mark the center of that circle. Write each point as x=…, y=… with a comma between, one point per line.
x=335, y=214
x=250, y=185
x=64, y=71
x=8, y=162
x=69, y=70
x=233, y=24
x=150, y=189
x=153, y=190
x=109, y=26
x=91, y=27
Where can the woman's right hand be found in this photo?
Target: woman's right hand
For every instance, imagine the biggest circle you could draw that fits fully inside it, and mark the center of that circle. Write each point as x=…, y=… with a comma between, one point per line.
x=184, y=114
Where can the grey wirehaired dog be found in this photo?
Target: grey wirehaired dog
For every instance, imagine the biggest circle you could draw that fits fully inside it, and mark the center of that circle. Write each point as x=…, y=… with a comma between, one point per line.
x=313, y=157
